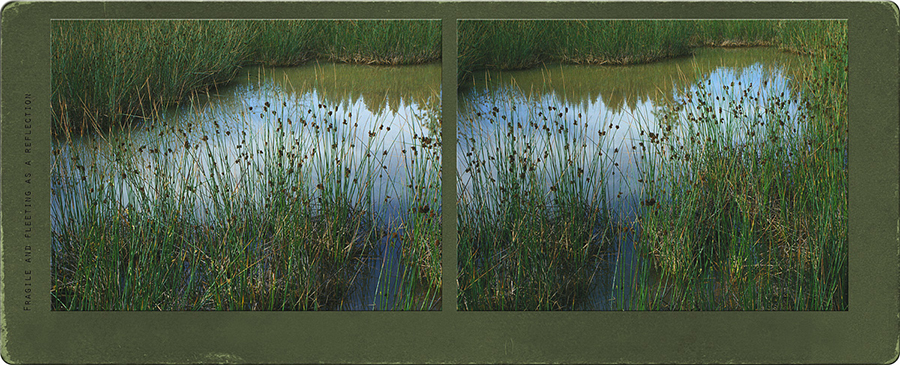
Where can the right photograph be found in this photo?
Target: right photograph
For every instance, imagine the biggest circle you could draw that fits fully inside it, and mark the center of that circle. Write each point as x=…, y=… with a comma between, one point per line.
x=652, y=165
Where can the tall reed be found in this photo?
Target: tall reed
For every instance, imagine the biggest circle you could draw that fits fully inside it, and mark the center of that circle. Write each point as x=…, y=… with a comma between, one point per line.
x=532, y=217
x=412, y=280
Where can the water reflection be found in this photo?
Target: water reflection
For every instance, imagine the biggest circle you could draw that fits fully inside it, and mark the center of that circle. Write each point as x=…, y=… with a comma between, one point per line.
x=621, y=88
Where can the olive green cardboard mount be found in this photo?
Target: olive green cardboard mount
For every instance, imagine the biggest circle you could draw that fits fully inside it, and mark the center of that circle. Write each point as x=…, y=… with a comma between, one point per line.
x=869, y=332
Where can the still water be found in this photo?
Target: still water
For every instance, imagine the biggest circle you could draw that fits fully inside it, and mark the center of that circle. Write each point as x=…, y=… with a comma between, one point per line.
x=613, y=112
x=352, y=126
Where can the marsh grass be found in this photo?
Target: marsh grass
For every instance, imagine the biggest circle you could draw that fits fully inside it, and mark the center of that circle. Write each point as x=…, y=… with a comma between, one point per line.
x=109, y=72
x=516, y=44
x=758, y=223
x=273, y=207
x=415, y=230
x=742, y=203
x=731, y=33
x=532, y=213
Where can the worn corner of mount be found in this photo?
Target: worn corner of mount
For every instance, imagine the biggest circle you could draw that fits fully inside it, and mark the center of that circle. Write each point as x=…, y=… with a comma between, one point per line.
x=13, y=8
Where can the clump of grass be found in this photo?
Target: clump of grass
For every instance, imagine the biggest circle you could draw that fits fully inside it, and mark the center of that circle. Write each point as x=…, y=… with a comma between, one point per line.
x=531, y=214
x=110, y=72
x=759, y=223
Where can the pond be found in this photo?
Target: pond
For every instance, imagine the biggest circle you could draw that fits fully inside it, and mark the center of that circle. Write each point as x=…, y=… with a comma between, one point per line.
x=608, y=130
x=364, y=139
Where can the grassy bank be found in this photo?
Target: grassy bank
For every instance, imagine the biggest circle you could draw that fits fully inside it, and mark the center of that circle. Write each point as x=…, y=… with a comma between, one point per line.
x=107, y=72
x=741, y=193
x=506, y=45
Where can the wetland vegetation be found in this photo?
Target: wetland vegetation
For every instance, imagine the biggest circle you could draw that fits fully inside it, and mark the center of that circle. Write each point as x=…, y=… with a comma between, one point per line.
x=191, y=172
x=108, y=72
x=638, y=168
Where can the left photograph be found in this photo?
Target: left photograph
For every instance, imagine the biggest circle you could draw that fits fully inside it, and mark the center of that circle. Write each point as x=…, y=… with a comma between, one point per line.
x=246, y=165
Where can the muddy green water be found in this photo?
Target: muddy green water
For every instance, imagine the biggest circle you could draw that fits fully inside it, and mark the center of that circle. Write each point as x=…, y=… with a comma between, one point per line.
x=612, y=109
